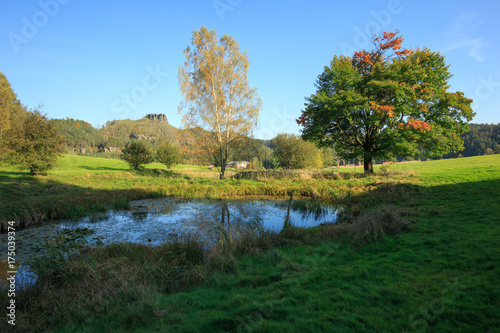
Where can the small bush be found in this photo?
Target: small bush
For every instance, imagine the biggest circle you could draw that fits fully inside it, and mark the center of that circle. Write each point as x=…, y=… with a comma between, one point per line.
x=136, y=154
x=373, y=224
x=168, y=154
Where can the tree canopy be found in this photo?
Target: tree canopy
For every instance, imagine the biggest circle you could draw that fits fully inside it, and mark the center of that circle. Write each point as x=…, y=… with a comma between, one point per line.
x=9, y=104
x=217, y=95
x=386, y=102
x=168, y=154
x=32, y=143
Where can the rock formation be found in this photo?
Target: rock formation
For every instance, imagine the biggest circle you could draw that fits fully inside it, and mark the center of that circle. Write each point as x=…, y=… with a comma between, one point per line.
x=140, y=137
x=157, y=116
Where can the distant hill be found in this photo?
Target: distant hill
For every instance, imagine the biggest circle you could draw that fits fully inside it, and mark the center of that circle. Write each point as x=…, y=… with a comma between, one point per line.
x=153, y=128
x=81, y=138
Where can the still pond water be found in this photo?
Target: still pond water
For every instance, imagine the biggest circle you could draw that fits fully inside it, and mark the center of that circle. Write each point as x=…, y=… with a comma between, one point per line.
x=162, y=220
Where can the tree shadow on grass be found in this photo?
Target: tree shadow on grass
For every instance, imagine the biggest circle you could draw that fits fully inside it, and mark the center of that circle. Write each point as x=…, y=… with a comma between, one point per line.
x=14, y=173
x=169, y=173
x=101, y=168
x=474, y=202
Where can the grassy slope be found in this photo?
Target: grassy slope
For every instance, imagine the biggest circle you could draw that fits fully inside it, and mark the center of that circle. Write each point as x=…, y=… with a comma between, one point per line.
x=441, y=277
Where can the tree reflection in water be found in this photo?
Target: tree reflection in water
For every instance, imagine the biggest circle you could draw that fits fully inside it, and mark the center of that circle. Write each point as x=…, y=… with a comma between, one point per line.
x=156, y=221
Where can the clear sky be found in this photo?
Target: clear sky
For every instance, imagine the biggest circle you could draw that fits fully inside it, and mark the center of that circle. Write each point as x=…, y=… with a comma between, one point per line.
x=104, y=60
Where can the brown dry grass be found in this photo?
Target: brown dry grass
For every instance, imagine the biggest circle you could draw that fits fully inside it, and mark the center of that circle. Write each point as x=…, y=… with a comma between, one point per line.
x=197, y=173
x=372, y=225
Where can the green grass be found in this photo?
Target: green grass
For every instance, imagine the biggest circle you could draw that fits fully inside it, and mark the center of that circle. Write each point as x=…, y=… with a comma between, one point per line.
x=440, y=276
x=81, y=185
x=407, y=284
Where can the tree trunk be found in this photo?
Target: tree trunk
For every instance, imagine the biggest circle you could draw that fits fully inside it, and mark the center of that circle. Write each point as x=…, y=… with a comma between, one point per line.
x=222, y=162
x=368, y=166
x=287, y=219
x=222, y=170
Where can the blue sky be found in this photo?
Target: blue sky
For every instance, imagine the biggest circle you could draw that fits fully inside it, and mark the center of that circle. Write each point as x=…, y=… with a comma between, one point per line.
x=105, y=60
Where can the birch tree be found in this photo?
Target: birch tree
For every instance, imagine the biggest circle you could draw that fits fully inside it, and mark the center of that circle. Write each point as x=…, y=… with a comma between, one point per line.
x=218, y=99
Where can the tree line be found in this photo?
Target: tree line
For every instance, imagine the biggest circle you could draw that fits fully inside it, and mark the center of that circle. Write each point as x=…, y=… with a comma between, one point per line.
x=33, y=142
x=482, y=139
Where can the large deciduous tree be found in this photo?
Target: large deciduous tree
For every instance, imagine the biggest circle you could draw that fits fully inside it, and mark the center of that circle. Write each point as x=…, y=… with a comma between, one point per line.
x=216, y=91
x=33, y=142
x=9, y=105
x=386, y=102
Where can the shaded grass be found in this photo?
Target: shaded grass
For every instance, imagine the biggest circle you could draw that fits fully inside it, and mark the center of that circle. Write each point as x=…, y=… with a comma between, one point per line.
x=440, y=276
x=120, y=280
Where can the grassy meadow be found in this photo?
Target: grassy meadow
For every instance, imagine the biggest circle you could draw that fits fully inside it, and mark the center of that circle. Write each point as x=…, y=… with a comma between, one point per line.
x=419, y=252
x=81, y=186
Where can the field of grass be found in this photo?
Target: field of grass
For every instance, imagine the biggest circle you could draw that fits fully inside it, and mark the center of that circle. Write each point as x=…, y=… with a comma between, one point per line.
x=441, y=277
x=420, y=253
x=82, y=185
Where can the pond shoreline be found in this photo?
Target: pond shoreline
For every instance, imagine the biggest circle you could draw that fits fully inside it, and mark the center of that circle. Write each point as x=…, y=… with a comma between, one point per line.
x=168, y=219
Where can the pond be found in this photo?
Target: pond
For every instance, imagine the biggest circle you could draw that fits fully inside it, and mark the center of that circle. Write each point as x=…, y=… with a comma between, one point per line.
x=155, y=221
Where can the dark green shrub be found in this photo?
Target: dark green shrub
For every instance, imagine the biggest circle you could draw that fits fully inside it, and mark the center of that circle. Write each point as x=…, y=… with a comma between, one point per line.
x=136, y=154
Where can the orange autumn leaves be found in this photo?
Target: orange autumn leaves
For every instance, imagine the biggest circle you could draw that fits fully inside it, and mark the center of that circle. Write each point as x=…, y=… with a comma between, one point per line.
x=392, y=43
x=363, y=57
x=416, y=124
x=382, y=109
x=301, y=119
x=411, y=123
x=387, y=41
x=384, y=43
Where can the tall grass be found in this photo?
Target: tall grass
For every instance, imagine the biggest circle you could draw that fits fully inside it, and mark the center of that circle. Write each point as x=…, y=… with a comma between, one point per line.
x=75, y=283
